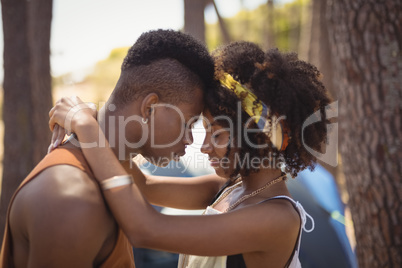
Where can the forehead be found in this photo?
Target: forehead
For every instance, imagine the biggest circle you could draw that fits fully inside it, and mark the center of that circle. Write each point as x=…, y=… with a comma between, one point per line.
x=194, y=107
x=207, y=119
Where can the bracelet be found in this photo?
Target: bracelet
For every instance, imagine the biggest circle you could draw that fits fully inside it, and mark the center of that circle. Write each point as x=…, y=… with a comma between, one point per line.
x=116, y=181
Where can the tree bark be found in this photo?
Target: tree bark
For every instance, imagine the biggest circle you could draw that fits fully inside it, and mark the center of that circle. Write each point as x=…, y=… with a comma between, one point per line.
x=269, y=27
x=222, y=25
x=40, y=17
x=366, y=48
x=194, y=22
x=319, y=54
x=306, y=28
x=27, y=91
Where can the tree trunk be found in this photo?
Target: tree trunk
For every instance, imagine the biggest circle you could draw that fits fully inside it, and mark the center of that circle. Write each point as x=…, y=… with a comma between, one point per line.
x=366, y=48
x=269, y=27
x=194, y=22
x=40, y=17
x=27, y=91
x=222, y=25
x=319, y=54
x=306, y=28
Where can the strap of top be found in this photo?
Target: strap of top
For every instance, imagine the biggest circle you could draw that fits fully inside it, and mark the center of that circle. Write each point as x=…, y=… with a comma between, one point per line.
x=294, y=259
x=303, y=214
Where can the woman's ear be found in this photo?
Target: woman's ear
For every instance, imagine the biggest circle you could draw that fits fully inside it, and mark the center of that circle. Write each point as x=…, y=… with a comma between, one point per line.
x=147, y=106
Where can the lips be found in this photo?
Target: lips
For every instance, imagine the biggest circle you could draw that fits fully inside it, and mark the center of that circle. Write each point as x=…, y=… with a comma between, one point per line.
x=214, y=162
x=181, y=154
x=176, y=156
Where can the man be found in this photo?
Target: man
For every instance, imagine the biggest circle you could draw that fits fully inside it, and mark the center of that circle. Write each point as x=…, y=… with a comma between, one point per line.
x=58, y=217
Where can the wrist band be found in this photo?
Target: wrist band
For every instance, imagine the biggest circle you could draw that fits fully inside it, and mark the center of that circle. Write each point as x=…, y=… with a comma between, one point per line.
x=116, y=181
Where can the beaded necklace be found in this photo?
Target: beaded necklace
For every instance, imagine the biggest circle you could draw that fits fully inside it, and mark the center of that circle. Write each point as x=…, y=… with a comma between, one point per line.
x=245, y=197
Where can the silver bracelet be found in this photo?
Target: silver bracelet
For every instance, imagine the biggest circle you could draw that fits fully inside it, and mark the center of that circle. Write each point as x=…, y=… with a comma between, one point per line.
x=116, y=181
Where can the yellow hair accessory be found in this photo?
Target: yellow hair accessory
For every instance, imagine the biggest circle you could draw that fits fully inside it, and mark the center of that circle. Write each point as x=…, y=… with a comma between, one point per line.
x=249, y=103
x=257, y=110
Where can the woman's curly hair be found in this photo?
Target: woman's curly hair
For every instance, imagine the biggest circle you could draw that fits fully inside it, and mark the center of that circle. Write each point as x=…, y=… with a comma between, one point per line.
x=289, y=87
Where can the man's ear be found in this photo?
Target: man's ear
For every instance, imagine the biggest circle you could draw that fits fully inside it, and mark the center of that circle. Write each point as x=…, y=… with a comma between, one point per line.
x=147, y=105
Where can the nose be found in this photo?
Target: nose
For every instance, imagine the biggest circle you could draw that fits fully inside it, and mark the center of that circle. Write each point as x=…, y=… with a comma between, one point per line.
x=206, y=147
x=188, y=137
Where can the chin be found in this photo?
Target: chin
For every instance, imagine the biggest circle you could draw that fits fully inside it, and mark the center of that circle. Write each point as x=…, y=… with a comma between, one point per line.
x=164, y=164
x=222, y=173
x=159, y=161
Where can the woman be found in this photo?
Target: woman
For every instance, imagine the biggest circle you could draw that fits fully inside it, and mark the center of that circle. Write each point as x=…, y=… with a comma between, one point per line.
x=253, y=124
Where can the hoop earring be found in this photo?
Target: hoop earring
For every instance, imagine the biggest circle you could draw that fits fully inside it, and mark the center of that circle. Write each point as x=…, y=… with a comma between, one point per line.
x=144, y=121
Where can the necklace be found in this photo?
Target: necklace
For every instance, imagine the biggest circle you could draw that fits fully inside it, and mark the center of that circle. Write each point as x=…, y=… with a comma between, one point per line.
x=245, y=197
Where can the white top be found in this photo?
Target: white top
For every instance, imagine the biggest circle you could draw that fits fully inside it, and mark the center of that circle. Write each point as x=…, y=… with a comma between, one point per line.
x=192, y=261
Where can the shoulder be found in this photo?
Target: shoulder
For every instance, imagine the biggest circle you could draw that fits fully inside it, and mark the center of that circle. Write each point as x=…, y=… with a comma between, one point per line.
x=273, y=226
x=272, y=223
x=62, y=184
x=62, y=215
x=285, y=212
x=61, y=194
x=284, y=222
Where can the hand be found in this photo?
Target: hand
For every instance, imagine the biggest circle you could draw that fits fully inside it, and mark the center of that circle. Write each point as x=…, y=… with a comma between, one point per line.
x=57, y=137
x=65, y=115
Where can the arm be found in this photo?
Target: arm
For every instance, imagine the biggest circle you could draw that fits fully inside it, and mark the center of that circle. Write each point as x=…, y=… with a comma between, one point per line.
x=176, y=192
x=250, y=229
x=63, y=221
x=225, y=234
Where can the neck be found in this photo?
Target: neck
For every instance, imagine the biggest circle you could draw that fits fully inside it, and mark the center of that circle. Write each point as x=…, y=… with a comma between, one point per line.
x=115, y=131
x=259, y=179
x=104, y=125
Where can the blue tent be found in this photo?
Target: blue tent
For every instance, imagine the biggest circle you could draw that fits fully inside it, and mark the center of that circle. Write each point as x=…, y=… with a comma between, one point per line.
x=327, y=246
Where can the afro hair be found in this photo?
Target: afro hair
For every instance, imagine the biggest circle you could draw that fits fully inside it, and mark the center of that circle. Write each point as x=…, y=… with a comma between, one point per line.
x=168, y=62
x=289, y=86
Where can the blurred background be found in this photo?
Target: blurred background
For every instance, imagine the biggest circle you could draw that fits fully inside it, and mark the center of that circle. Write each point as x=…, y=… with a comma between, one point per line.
x=55, y=48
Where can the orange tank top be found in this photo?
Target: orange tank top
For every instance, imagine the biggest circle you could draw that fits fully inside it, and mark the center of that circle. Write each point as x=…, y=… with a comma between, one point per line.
x=122, y=253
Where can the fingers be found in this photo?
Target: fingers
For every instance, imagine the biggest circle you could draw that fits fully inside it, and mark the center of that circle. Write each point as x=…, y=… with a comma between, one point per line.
x=61, y=132
x=76, y=100
x=69, y=110
x=51, y=112
x=94, y=109
x=52, y=122
x=92, y=106
x=54, y=138
x=50, y=148
x=62, y=107
x=55, y=134
x=57, y=137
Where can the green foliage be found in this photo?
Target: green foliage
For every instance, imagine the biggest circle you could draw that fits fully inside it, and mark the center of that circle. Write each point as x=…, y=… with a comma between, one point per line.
x=251, y=25
x=106, y=72
x=98, y=84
